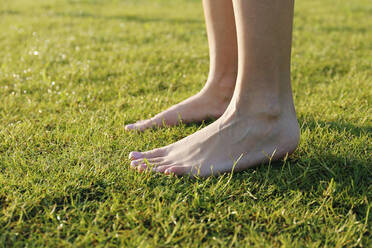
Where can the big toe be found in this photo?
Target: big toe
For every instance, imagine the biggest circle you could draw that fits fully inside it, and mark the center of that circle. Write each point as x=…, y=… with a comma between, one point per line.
x=135, y=155
x=142, y=125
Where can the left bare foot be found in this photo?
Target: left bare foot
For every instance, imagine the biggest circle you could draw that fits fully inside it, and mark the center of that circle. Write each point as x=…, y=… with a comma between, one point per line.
x=210, y=102
x=251, y=139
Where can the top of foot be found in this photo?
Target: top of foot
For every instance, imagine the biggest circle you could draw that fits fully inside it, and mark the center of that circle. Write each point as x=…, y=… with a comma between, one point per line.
x=229, y=143
x=199, y=107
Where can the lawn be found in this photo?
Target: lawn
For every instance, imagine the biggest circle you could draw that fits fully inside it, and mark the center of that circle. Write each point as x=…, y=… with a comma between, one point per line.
x=74, y=72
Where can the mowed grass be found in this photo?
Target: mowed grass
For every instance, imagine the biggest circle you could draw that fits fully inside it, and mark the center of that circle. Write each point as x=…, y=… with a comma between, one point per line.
x=74, y=72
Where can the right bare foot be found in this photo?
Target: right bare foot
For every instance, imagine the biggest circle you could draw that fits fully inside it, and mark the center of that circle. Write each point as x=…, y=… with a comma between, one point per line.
x=242, y=138
x=210, y=102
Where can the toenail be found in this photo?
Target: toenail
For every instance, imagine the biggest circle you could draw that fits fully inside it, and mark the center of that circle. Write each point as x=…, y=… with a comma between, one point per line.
x=135, y=155
x=167, y=171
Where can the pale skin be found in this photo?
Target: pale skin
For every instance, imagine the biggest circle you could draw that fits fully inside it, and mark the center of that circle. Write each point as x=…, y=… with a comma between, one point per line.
x=259, y=124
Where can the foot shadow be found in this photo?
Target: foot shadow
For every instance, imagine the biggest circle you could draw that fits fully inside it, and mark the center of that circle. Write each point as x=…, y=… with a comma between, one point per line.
x=310, y=167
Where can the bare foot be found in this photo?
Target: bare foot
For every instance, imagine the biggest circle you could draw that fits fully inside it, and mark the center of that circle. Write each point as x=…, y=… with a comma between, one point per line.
x=247, y=139
x=210, y=102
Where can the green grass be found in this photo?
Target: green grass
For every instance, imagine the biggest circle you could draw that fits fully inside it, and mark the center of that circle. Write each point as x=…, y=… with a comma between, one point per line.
x=74, y=72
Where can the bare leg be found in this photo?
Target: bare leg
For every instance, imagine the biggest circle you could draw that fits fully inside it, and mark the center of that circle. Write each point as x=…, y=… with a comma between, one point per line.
x=260, y=122
x=213, y=99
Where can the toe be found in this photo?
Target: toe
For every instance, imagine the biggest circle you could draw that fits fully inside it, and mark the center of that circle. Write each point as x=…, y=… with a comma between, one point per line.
x=162, y=168
x=135, y=155
x=130, y=127
x=155, y=161
x=135, y=163
x=141, y=125
x=135, y=126
x=142, y=167
x=177, y=170
x=149, y=155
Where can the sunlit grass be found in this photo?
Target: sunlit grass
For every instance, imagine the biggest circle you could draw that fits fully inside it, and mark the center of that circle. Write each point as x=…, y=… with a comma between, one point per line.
x=73, y=73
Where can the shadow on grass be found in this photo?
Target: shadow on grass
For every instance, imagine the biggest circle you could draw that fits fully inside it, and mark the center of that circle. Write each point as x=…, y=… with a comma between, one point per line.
x=312, y=170
x=305, y=172
x=339, y=127
x=302, y=170
x=313, y=167
x=312, y=124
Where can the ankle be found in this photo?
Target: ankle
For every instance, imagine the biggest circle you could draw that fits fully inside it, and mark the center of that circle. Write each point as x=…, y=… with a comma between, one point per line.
x=268, y=107
x=220, y=86
x=223, y=80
